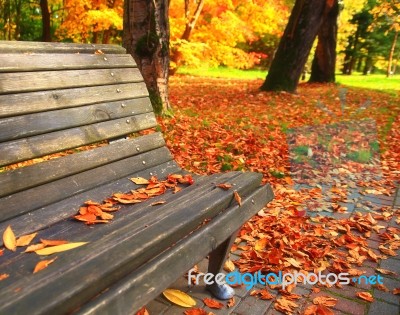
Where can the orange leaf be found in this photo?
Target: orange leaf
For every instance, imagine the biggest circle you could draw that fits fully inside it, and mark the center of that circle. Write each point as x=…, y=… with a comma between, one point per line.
x=195, y=311
x=53, y=242
x=142, y=311
x=231, y=302
x=213, y=303
x=158, y=203
x=396, y=291
x=43, y=264
x=325, y=300
x=365, y=296
x=34, y=247
x=237, y=198
x=225, y=186
x=9, y=239
x=4, y=276
x=25, y=240
x=88, y=217
x=386, y=272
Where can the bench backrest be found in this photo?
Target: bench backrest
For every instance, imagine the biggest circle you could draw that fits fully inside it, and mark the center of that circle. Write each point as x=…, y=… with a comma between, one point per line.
x=74, y=97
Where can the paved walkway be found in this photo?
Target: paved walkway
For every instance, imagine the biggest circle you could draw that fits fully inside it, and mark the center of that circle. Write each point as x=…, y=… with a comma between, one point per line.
x=385, y=303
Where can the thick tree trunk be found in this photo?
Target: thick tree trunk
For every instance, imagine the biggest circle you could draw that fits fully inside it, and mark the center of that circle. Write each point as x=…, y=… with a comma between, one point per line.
x=295, y=45
x=324, y=62
x=146, y=38
x=46, y=31
x=391, y=54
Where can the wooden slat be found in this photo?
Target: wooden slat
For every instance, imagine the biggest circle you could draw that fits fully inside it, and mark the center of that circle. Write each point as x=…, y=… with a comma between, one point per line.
x=42, y=62
x=33, y=124
x=107, y=259
x=21, y=82
x=25, y=103
x=41, y=173
x=143, y=285
x=54, y=213
x=37, y=146
x=34, y=198
x=52, y=48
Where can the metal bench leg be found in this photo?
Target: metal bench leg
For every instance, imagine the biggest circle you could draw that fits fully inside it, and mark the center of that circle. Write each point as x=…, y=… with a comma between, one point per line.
x=216, y=262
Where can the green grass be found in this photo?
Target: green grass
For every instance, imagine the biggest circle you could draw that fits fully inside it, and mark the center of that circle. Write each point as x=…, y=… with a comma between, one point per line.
x=224, y=72
x=373, y=81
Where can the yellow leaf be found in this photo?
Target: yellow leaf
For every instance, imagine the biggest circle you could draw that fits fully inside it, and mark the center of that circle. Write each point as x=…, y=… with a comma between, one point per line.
x=25, y=240
x=43, y=264
x=140, y=180
x=9, y=239
x=178, y=297
x=229, y=266
x=59, y=248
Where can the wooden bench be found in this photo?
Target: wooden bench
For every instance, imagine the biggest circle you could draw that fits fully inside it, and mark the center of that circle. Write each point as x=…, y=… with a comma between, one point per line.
x=60, y=97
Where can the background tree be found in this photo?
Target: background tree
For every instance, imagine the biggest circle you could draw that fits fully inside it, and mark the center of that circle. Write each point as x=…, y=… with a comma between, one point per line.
x=295, y=45
x=389, y=12
x=146, y=38
x=324, y=63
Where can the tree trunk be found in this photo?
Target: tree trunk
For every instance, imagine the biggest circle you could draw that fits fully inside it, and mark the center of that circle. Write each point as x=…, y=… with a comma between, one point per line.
x=389, y=68
x=324, y=62
x=46, y=33
x=368, y=65
x=295, y=45
x=146, y=38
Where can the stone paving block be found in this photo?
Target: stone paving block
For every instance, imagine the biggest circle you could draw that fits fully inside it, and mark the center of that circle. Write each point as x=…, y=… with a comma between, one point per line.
x=343, y=304
x=391, y=264
x=383, y=308
x=157, y=306
x=179, y=310
x=254, y=306
x=391, y=284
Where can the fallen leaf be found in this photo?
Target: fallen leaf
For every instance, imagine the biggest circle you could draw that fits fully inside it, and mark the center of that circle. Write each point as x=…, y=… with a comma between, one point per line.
x=387, y=251
x=386, y=271
x=59, y=248
x=9, y=239
x=34, y=247
x=396, y=291
x=142, y=311
x=229, y=266
x=43, y=264
x=53, y=242
x=325, y=300
x=365, y=296
x=237, y=198
x=161, y=202
x=262, y=294
x=211, y=303
x=225, y=186
x=231, y=302
x=25, y=240
x=4, y=276
x=178, y=297
x=140, y=180
x=381, y=287
x=284, y=305
x=196, y=311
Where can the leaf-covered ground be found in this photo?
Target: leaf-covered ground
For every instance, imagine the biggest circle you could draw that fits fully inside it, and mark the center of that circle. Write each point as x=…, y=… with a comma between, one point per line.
x=324, y=150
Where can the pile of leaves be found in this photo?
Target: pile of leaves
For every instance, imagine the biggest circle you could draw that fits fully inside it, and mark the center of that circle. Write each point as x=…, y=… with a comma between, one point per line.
x=94, y=212
x=329, y=141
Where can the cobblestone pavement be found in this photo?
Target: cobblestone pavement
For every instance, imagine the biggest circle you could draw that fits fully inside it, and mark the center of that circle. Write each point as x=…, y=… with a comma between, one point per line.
x=385, y=303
